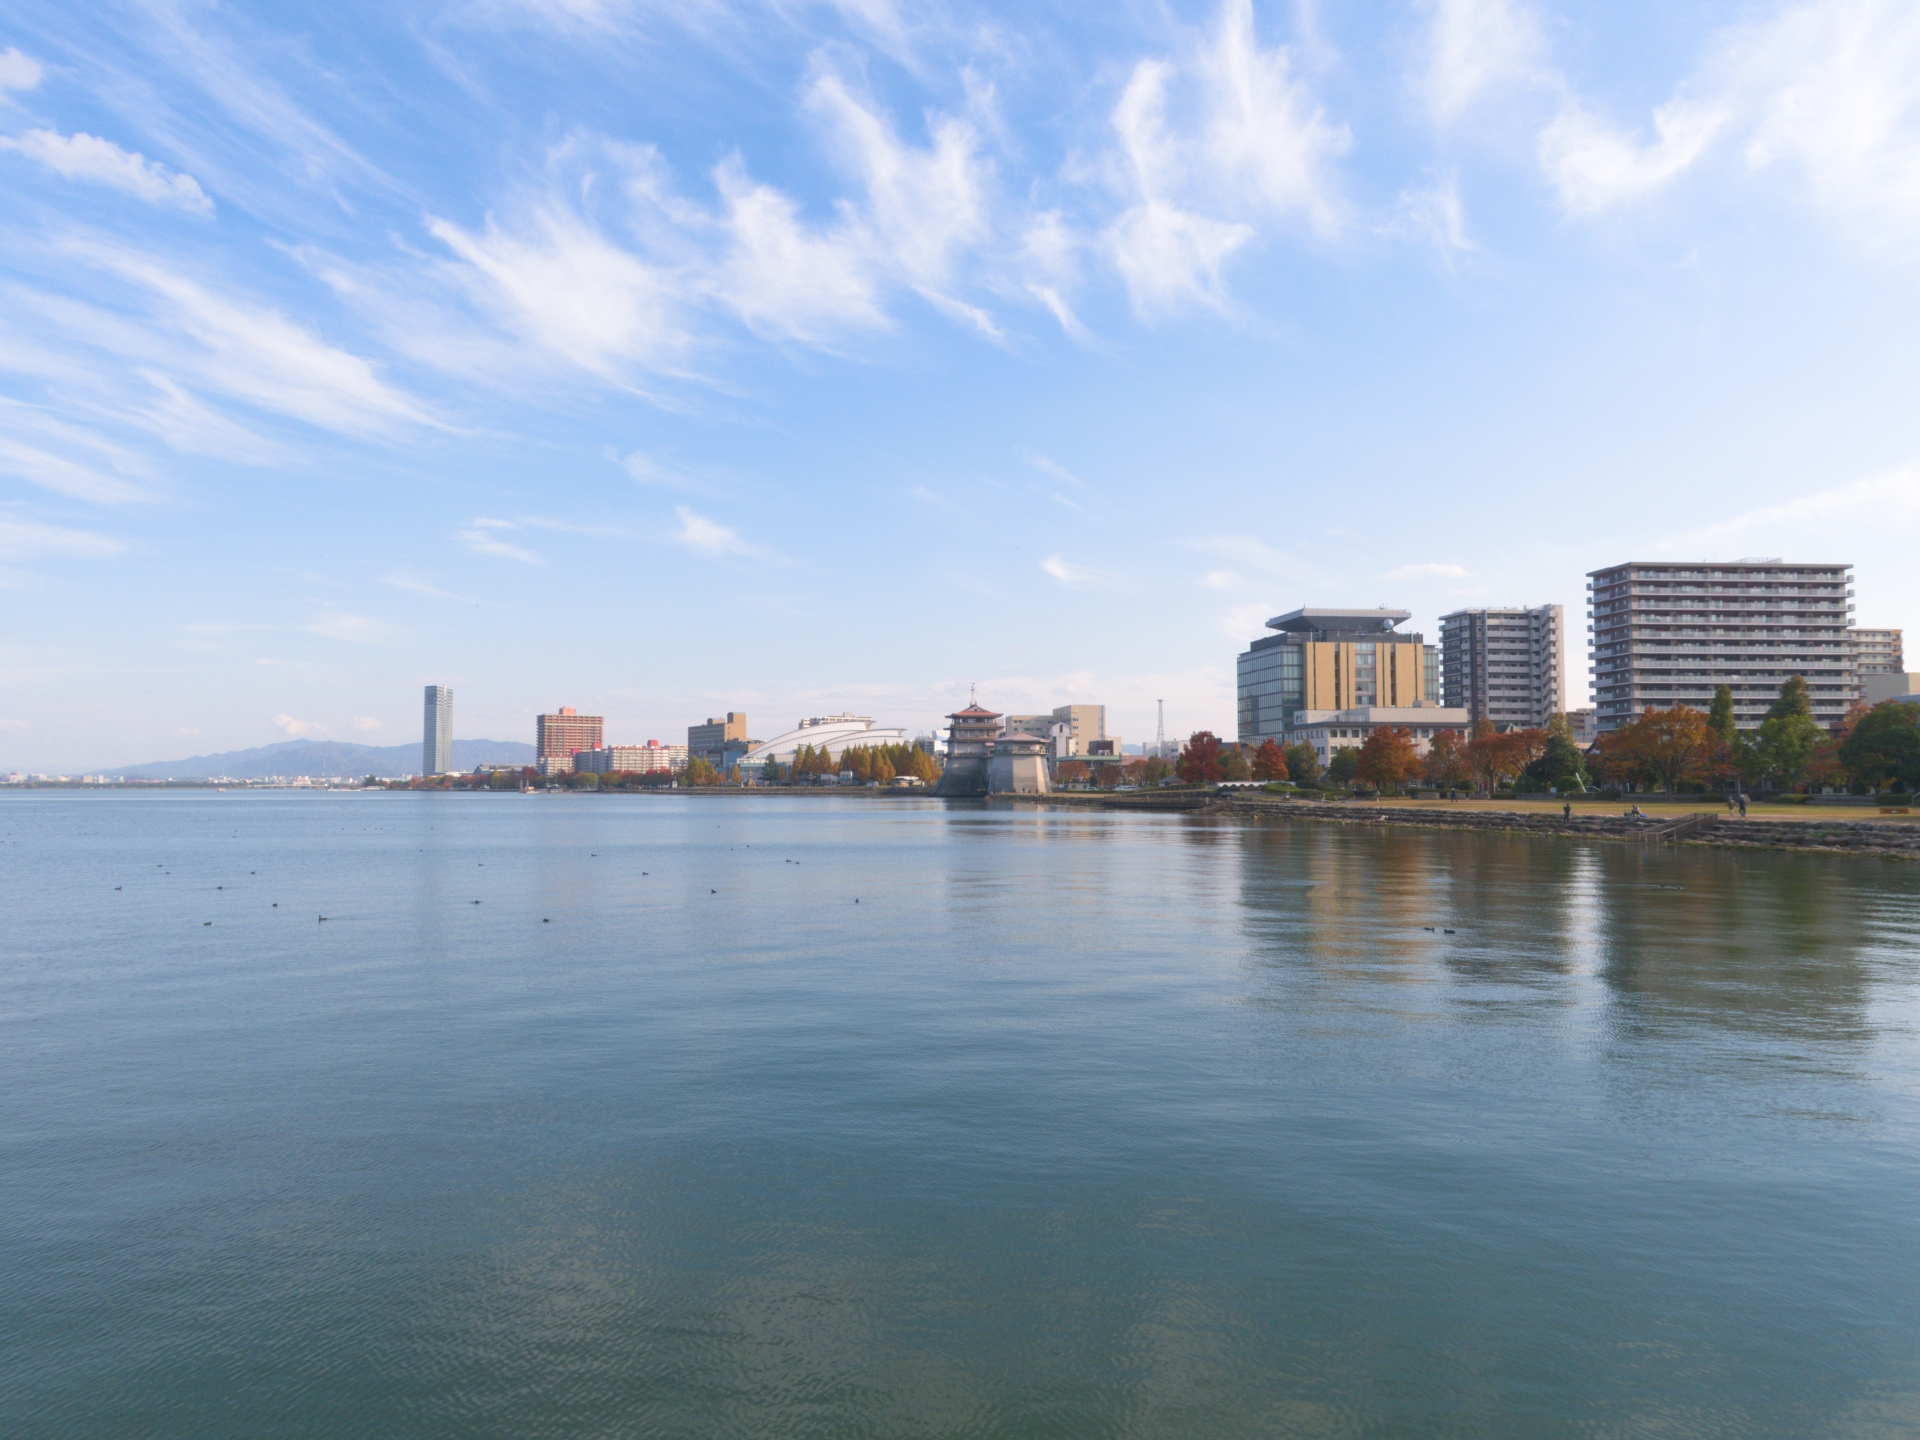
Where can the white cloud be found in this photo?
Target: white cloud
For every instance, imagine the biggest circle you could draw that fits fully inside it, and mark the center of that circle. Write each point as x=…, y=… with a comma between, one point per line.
x=708, y=537
x=1837, y=87
x=1429, y=570
x=1252, y=144
x=1081, y=577
x=360, y=629
x=298, y=729
x=1888, y=502
x=28, y=540
x=17, y=71
x=1433, y=215
x=415, y=585
x=784, y=279
x=563, y=285
x=245, y=350
x=88, y=157
x=480, y=539
x=923, y=204
x=63, y=475
x=1595, y=166
x=366, y=723
x=1478, y=47
x=1048, y=466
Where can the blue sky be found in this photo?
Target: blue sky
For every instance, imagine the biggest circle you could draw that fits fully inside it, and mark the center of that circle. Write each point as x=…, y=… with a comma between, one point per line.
x=668, y=359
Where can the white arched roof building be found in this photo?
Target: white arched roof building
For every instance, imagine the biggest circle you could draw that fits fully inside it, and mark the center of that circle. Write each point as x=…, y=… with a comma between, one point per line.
x=836, y=732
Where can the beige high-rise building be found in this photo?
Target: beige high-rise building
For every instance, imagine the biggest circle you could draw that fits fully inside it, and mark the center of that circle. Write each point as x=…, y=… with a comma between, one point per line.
x=1327, y=660
x=719, y=742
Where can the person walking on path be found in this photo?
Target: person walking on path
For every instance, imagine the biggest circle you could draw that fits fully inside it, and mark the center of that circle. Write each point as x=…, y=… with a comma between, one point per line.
x=1743, y=806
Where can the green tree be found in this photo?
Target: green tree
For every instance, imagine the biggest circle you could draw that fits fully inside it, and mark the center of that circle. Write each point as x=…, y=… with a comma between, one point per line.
x=1885, y=745
x=700, y=771
x=1788, y=735
x=1446, y=762
x=1303, y=764
x=1720, y=716
x=1560, y=765
x=1344, y=764
x=1233, y=764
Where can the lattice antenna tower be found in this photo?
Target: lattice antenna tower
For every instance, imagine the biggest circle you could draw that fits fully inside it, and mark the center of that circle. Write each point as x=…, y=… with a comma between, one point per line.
x=1160, y=733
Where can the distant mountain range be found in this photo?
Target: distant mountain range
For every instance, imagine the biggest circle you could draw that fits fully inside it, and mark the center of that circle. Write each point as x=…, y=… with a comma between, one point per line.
x=332, y=759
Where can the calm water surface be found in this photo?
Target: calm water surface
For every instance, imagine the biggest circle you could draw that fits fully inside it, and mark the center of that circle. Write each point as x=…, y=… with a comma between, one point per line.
x=826, y=1117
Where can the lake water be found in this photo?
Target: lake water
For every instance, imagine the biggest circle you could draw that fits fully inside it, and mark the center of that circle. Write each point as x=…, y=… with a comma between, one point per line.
x=829, y=1117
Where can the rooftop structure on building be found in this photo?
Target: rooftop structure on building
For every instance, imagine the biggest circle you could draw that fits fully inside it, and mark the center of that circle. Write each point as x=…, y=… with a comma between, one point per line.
x=1668, y=633
x=1324, y=658
x=1505, y=664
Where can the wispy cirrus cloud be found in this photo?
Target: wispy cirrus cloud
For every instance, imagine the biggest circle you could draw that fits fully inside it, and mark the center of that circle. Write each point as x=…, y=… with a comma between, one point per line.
x=1082, y=577
x=101, y=162
x=709, y=537
x=480, y=537
x=31, y=540
x=357, y=629
x=1890, y=500
x=1427, y=570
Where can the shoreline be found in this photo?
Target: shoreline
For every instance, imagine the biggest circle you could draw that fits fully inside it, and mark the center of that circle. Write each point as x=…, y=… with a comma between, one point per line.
x=1889, y=839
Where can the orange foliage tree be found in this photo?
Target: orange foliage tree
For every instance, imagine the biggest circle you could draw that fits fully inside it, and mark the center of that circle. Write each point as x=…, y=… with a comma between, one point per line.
x=1387, y=758
x=1446, y=762
x=1269, y=761
x=1200, y=760
x=1660, y=747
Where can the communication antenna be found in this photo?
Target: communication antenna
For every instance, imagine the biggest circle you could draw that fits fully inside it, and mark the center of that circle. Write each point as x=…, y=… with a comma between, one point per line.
x=1160, y=734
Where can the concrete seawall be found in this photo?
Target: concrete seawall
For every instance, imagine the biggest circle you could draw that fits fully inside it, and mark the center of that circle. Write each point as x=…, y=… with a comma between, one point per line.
x=1855, y=837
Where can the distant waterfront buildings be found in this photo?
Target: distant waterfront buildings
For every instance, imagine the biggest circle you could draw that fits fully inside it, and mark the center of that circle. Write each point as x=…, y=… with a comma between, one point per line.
x=1331, y=660
x=436, y=745
x=557, y=737
x=1072, y=732
x=1507, y=665
x=1670, y=633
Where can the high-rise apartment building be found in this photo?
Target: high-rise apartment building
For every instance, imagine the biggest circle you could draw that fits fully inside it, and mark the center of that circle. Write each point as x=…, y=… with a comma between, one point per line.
x=557, y=737
x=1670, y=633
x=1327, y=660
x=1505, y=665
x=436, y=740
x=1877, y=652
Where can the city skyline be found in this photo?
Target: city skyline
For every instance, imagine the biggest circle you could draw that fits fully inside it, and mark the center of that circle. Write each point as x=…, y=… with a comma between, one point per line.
x=673, y=364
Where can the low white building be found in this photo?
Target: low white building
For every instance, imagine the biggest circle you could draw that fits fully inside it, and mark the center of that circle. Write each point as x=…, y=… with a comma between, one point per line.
x=836, y=733
x=1329, y=730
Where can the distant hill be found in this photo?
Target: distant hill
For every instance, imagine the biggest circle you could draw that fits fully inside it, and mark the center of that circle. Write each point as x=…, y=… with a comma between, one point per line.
x=333, y=759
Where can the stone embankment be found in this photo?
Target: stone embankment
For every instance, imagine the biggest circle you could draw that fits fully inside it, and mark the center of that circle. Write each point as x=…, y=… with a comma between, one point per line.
x=1864, y=837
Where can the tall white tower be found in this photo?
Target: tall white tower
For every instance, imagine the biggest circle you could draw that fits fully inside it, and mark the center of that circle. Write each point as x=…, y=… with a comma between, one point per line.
x=436, y=745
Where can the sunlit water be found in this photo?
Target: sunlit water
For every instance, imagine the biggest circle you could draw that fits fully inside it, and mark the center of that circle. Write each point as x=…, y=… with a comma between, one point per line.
x=829, y=1117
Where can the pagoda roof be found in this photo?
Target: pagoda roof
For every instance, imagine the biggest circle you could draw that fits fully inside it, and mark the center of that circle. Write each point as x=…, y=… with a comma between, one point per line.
x=974, y=712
